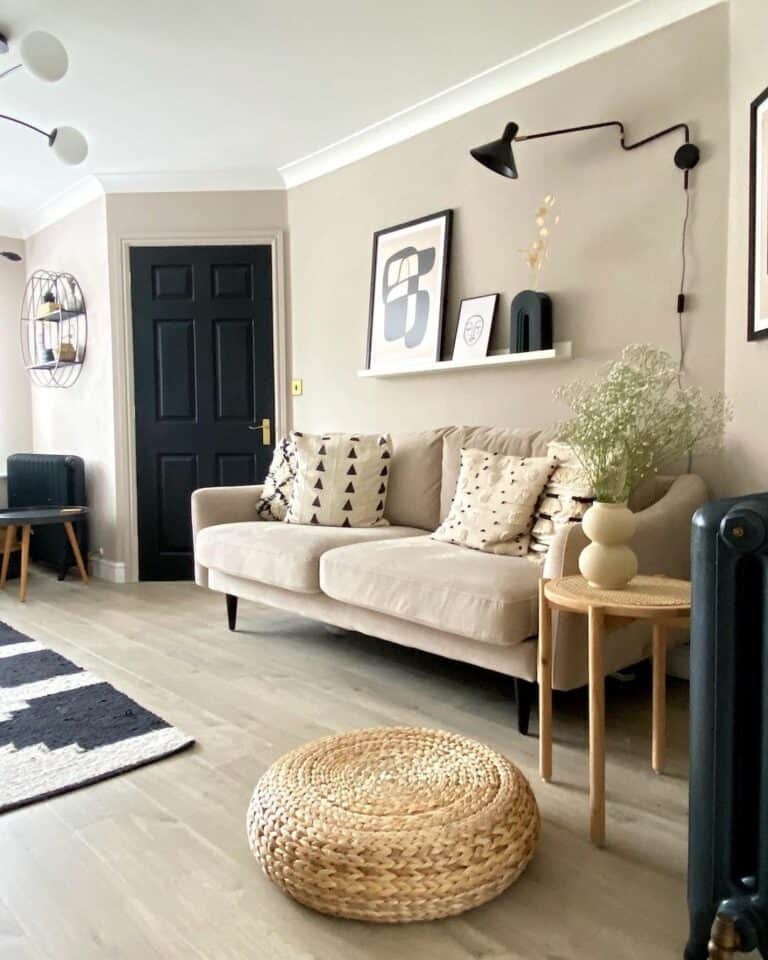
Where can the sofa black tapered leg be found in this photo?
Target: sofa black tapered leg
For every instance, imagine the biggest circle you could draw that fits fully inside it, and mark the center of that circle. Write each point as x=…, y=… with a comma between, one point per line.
x=525, y=691
x=231, y=611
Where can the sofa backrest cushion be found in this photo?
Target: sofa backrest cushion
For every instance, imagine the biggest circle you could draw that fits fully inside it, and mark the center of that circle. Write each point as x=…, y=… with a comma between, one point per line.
x=413, y=498
x=517, y=441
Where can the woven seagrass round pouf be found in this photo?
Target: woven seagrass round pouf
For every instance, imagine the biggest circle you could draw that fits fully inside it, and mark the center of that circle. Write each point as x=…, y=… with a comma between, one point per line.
x=393, y=824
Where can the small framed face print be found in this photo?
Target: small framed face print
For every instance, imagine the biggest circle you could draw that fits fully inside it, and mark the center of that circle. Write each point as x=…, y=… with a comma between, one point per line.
x=476, y=315
x=758, y=220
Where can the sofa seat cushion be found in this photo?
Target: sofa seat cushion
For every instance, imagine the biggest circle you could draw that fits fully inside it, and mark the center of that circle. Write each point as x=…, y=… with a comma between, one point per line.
x=481, y=596
x=281, y=554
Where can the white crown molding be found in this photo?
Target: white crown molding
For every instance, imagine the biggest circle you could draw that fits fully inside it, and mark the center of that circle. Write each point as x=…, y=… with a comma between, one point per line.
x=626, y=23
x=11, y=225
x=64, y=203
x=181, y=181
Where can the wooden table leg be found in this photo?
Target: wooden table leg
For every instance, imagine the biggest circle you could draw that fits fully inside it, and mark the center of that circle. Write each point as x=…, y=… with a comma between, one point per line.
x=76, y=550
x=659, y=732
x=545, y=685
x=25, y=532
x=596, y=728
x=10, y=537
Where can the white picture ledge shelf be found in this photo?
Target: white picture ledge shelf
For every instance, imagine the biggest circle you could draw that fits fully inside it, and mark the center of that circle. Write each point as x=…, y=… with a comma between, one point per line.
x=560, y=351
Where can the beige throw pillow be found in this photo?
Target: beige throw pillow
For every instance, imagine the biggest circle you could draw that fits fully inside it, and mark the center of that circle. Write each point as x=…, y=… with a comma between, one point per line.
x=341, y=479
x=566, y=498
x=493, y=508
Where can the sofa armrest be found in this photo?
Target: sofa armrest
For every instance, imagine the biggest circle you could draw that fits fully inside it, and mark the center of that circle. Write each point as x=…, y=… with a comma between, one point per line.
x=662, y=542
x=214, y=505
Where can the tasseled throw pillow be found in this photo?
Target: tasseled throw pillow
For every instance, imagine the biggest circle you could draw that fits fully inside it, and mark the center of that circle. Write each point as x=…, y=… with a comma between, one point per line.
x=278, y=485
x=566, y=498
x=341, y=479
x=493, y=508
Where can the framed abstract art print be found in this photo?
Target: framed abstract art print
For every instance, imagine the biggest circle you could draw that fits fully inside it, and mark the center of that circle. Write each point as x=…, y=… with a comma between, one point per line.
x=408, y=280
x=758, y=220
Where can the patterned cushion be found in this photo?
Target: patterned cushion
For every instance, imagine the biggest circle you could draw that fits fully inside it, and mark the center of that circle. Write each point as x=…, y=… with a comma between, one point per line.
x=565, y=500
x=341, y=479
x=493, y=508
x=278, y=486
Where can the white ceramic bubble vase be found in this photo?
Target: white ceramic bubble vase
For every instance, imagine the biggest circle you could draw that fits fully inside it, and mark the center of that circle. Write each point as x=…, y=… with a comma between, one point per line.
x=608, y=562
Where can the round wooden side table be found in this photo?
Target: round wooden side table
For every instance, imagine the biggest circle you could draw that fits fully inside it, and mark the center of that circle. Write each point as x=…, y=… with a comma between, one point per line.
x=662, y=602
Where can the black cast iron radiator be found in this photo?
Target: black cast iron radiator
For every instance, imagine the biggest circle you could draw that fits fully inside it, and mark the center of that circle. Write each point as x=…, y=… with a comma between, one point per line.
x=728, y=832
x=42, y=479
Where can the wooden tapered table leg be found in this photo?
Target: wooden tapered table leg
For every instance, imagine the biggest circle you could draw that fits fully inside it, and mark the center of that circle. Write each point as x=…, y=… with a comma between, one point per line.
x=596, y=728
x=26, y=530
x=545, y=684
x=659, y=729
x=76, y=550
x=10, y=536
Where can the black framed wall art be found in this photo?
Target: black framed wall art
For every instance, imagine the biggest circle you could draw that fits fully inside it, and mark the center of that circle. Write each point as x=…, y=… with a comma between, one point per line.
x=758, y=219
x=409, y=273
x=473, y=332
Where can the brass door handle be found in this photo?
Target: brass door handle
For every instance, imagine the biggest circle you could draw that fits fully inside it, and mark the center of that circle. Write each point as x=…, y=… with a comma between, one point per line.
x=266, y=430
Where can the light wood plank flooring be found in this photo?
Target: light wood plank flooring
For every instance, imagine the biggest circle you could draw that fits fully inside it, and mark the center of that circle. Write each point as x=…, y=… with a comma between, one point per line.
x=155, y=863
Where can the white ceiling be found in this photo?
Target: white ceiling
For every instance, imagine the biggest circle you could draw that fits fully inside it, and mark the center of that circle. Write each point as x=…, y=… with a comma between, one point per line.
x=222, y=94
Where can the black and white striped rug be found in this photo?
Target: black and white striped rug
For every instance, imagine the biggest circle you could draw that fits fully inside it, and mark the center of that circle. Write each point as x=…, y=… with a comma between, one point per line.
x=61, y=727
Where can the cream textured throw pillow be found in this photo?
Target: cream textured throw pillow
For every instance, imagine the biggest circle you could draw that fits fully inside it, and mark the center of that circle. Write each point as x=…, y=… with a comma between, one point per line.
x=278, y=485
x=341, y=479
x=493, y=508
x=566, y=499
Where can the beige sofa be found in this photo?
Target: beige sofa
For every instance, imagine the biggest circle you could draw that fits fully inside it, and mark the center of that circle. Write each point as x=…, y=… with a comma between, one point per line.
x=397, y=583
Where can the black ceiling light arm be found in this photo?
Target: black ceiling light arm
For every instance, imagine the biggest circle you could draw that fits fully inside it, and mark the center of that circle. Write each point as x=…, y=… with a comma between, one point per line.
x=50, y=137
x=686, y=157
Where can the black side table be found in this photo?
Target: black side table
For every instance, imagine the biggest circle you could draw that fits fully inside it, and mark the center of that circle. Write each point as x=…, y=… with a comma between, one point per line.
x=26, y=518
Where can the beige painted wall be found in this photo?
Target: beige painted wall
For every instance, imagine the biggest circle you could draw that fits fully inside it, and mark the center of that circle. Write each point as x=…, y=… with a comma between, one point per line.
x=15, y=390
x=746, y=364
x=80, y=419
x=176, y=217
x=614, y=266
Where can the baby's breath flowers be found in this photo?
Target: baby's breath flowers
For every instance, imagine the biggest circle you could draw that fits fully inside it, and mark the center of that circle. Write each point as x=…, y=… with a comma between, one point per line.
x=636, y=418
x=538, y=253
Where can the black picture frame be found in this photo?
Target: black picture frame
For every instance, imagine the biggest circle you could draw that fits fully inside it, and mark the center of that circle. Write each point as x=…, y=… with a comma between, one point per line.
x=755, y=171
x=447, y=217
x=494, y=297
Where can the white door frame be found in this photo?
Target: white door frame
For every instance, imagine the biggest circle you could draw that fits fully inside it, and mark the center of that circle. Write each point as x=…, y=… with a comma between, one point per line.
x=122, y=338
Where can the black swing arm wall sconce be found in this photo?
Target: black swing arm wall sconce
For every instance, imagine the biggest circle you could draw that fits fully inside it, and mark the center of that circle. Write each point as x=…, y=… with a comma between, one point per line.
x=498, y=156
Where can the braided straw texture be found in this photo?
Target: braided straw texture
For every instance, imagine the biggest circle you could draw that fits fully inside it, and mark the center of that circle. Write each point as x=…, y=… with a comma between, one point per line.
x=639, y=592
x=393, y=824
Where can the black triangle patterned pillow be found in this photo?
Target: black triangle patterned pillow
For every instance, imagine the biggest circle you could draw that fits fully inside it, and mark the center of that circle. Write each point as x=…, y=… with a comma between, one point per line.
x=341, y=479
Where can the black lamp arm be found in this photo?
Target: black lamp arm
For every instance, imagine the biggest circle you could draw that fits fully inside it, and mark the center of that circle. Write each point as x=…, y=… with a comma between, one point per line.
x=685, y=164
x=610, y=123
x=23, y=123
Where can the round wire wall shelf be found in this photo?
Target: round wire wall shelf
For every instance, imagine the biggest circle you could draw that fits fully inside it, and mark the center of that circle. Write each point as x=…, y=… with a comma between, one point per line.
x=54, y=328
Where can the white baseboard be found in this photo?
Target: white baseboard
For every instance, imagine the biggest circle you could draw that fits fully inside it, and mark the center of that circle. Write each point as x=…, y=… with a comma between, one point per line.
x=109, y=570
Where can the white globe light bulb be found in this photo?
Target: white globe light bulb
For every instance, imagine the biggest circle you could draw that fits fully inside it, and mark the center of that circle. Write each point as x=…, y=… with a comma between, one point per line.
x=44, y=56
x=69, y=145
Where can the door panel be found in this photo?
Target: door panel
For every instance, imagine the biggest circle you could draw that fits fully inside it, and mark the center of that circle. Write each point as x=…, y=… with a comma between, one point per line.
x=204, y=372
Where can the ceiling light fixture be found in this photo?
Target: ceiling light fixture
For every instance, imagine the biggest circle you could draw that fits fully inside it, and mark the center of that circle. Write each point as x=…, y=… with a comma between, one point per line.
x=67, y=144
x=44, y=56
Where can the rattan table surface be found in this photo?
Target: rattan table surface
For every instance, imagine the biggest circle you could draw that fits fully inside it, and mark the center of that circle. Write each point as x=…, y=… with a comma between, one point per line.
x=643, y=595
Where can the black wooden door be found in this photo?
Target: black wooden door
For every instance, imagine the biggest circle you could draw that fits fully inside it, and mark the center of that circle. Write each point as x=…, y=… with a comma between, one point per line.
x=204, y=380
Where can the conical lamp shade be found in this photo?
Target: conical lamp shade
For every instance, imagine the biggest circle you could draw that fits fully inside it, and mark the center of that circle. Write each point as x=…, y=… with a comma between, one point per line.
x=497, y=155
x=44, y=56
x=68, y=145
